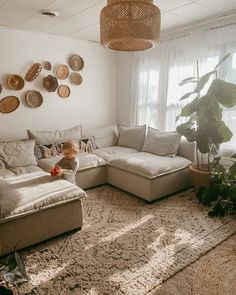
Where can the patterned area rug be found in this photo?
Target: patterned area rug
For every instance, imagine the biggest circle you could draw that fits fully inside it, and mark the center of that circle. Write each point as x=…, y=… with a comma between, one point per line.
x=126, y=246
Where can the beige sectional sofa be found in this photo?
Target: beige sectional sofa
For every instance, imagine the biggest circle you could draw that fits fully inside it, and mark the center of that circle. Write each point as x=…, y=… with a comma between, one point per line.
x=122, y=159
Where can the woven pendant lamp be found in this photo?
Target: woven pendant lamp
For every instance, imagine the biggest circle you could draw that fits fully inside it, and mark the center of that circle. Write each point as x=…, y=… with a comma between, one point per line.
x=130, y=25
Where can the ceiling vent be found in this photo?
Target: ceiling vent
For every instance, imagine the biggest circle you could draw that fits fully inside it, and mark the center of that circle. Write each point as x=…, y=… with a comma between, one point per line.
x=49, y=13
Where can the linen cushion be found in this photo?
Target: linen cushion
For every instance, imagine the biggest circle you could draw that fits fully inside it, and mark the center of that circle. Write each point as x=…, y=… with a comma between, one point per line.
x=36, y=191
x=105, y=136
x=86, y=161
x=132, y=137
x=18, y=153
x=49, y=137
x=109, y=153
x=161, y=143
x=149, y=165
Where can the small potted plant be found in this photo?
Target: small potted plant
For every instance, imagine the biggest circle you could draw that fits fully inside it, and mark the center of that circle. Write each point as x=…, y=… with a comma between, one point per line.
x=204, y=124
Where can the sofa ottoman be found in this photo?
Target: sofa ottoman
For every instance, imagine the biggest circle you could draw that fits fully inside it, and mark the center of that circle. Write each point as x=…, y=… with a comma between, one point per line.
x=149, y=176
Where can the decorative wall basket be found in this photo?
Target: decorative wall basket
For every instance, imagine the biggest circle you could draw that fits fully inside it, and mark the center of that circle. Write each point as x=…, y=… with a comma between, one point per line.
x=63, y=91
x=62, y=72
x=76, y=62
x=33, y=99
x=9, y=104
x=15, y=82
x=50, y=83
x=33, y=72
x=47, y=65
x=76, y=78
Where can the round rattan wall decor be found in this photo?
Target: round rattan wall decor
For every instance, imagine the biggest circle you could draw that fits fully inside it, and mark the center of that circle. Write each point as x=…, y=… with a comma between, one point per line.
x=50, y=83
x=47, y=65
x=33, y=99
x=62, y=72
x=76, y=62
x=15, y=82
x=76, y=78
x=63, y=91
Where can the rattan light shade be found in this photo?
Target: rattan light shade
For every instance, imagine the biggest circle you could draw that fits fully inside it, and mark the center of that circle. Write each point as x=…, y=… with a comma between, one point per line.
x=130, y=25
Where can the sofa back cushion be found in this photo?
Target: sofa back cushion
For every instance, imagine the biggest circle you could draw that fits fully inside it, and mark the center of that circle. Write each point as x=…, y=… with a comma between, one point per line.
x=132, y=137
x=48, y=137
x=105, y=136
x=18, y=153
x=161, y=143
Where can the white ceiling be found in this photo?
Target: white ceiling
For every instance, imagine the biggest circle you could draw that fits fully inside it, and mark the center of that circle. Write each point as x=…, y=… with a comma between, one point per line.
x=80, y=18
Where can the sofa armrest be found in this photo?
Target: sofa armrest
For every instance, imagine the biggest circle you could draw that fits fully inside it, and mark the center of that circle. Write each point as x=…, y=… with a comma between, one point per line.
x=187, y=149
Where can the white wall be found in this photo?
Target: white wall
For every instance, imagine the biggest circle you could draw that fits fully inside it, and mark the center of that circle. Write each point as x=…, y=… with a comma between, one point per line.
x=91, y=104
x=124, y=63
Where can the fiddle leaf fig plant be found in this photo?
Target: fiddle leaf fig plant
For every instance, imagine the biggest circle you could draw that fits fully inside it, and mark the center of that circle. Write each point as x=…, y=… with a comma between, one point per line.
x=204, y=124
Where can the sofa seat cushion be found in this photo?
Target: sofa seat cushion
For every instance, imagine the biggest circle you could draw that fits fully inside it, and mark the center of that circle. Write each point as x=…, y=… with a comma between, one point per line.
x=86, y=161
x=32, y=192
x=149, y=165
x=109, y=153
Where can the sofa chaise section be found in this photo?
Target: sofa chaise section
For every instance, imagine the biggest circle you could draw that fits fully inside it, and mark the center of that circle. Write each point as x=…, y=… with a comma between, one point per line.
x=35, y=208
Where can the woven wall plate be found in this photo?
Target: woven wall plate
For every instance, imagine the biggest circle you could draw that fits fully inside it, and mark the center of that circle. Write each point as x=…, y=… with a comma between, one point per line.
x=47, y=65
x=62, y=72
x=15, y=82
x=63, y=91
x=9, y=104
x=76, y=78
x=0, y=88
x=50, y=83
x=33, y=99
x=33, y=72
x=76, y=62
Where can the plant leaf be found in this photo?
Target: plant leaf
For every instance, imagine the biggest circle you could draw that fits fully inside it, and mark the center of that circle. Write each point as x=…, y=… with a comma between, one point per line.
x=21, y=266
x=187, y=80
x=222, y=60
x=186, y=95
x=177, y=118
x=203, y=80
x=224, y=92
x=232, y=171
x=190, y=108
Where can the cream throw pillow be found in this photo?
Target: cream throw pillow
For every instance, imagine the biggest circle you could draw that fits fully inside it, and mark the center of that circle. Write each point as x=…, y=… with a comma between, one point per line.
x=18, y=153
x=48, y=137
x=161, y=143
x=132, y=137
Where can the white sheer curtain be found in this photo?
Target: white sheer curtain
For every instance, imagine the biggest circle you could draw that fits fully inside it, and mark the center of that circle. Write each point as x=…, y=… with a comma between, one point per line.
x=157, y=73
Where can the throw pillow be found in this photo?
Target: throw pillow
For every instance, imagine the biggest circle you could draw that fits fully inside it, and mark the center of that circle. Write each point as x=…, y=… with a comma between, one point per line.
x=54, y=149
x=87, y=144
x=49, y=137
x=132, y=137
x=161, y=143
x=18, y=153
x=105, y=136
x=46, y=151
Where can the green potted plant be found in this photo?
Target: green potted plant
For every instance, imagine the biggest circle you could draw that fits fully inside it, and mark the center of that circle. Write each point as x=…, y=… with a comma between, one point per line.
x=220, y=195
x=204, y=124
